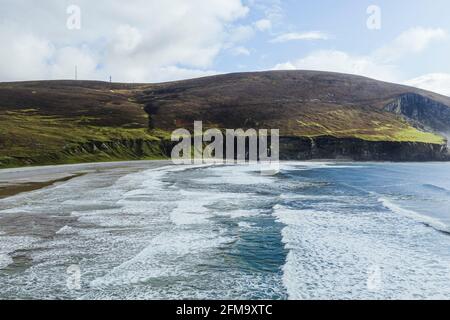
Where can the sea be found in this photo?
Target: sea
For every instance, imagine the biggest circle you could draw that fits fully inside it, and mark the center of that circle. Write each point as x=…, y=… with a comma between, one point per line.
x=314, y=230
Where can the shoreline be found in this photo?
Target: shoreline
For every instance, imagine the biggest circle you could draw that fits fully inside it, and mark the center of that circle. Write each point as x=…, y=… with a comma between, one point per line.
x=15, y=189
x=168, y=161
x=14, y=181
x=19, y=180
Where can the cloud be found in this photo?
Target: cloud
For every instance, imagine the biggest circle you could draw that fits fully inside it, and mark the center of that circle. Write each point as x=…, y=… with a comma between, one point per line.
x=174, y=72
x=414, y=40
x=127, y=39
x=338, y=61
x=240, y=51
x=379, y=64
x=295, y=36
x=24, y=56
x=263, y=25
x=272, y=10
x=436, y=82
x=146, y=40
x=65, y=60
x=241, y=34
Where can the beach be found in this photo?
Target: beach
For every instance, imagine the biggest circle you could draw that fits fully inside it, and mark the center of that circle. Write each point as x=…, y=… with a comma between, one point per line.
x=152, y=230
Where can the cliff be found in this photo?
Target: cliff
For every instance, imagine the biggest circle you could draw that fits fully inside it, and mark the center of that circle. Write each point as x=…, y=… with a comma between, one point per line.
x=294, y=148
x=320, y=115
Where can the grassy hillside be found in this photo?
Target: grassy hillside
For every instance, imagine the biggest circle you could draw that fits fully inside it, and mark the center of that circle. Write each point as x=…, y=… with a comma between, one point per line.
x=300, y=103
x=45, y=120
x=49, y=122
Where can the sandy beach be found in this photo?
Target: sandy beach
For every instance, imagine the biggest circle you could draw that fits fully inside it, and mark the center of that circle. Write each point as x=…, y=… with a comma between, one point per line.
x=18, y=180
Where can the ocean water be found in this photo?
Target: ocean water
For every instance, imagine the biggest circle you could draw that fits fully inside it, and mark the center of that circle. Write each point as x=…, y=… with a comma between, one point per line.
x=313, y=231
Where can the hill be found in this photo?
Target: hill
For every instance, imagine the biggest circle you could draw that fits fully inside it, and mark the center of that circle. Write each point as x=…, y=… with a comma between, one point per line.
x=300, y=103
x=319, y=114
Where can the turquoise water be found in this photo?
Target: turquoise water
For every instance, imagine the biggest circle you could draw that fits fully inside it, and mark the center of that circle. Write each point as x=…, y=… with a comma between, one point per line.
x=313, y=231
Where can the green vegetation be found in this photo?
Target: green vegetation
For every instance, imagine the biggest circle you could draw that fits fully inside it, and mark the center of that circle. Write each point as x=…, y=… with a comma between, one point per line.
x=56, y=122
x=370, y=127
x=31, y=138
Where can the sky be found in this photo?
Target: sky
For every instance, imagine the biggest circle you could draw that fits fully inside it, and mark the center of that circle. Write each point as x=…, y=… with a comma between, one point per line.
x=398, y=41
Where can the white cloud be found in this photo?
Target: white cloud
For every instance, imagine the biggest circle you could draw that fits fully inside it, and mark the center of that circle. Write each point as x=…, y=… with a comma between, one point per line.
x=127, y=39
x=263, y=25
x=24, y=56
x=436, y=82
x=294, y=36
x=240, y=51
x=379, y=64
x=338, y=61
x=139, y=41
x=173, y=72
x=241, y=34
x=65, y=60
x=271, y=9
x=414, y=40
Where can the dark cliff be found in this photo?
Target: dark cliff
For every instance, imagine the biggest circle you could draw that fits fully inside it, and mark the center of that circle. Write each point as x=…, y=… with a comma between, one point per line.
x=294, y=148
x=422, y=111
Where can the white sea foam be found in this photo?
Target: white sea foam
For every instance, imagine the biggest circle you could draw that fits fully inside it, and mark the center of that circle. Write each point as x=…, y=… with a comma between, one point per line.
x=331, y=254
x=10, y=244
x=308, y=165
x=235, y=175
x=161, y=257
x=235, y=214
x=191, y=239
x=427, y=220
x=236, y=179
x=295, y=196
x=5, y=260
x=181, y=217
x=66, y=230
x=246, y=225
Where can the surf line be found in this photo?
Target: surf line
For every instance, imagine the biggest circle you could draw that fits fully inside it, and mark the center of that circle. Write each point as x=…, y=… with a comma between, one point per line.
x=193, y=311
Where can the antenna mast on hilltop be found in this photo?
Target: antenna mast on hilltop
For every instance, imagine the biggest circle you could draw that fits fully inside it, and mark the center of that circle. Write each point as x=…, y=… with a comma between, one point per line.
x=76, y=72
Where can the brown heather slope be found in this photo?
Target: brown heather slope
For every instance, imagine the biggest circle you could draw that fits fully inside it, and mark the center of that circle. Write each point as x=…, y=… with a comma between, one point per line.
x=299, y=103
x=102, y=103
x=332, y=115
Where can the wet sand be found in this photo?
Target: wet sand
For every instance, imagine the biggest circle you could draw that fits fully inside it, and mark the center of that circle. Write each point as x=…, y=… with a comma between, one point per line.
x=13, y=189
x=27, y=179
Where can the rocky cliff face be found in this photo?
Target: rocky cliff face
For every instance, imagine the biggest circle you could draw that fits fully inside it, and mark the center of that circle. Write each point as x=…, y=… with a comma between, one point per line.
x=291, y=148
x=95, y=151
x=294, y=148
x=422, y=111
